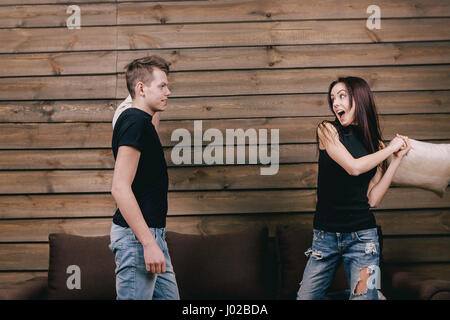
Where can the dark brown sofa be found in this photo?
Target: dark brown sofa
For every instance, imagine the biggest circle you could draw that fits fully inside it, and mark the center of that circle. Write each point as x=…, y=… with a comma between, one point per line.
x=245, y=265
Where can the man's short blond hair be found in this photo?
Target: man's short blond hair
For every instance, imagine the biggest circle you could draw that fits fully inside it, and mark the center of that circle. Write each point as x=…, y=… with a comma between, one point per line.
x=142, y=70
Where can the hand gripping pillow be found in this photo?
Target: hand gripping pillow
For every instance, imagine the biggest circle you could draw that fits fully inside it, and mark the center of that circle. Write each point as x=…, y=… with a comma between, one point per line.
x=426, y=166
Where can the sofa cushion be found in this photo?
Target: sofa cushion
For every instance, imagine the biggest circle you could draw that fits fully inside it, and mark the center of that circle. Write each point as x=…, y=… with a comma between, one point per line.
x=292, y=242
x=224, y=266
x=90, y=257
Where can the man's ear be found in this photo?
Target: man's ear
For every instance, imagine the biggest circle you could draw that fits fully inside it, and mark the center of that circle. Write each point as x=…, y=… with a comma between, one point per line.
x=139, y=89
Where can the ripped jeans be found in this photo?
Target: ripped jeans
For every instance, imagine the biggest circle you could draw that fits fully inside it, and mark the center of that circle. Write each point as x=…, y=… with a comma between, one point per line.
x=358, y=250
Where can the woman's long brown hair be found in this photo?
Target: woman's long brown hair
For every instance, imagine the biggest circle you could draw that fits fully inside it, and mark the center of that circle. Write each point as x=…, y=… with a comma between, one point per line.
x=366, y=115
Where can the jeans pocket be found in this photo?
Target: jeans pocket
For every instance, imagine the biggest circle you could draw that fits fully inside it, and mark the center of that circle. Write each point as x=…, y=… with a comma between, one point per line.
x=367, y=235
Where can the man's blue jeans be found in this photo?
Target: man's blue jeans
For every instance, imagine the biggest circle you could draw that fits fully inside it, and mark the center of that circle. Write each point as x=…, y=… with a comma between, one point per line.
x=133, y=281
x=358, y=250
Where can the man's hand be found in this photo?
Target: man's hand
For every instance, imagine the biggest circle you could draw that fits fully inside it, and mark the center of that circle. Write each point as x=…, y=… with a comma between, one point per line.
x=155, y=261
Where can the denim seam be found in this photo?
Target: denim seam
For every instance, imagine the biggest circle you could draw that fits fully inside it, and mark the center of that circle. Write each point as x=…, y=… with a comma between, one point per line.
x=133, y=270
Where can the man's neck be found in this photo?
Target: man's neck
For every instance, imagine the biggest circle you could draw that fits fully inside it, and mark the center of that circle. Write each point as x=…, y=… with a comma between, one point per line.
x=141, y=106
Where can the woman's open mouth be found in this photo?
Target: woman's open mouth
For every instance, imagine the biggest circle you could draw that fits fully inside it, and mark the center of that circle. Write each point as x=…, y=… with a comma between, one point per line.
x=340, y=114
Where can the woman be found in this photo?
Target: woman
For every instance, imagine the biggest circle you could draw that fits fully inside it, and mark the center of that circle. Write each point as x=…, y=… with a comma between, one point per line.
x=352, y=178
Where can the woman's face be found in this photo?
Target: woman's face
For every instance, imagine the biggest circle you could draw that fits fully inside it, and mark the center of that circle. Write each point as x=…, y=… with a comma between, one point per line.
x=341, y=104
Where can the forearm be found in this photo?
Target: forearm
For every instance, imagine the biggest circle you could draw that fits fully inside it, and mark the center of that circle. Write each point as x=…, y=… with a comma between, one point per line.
x=370, y=161
x=379, y=190
x=129, y=208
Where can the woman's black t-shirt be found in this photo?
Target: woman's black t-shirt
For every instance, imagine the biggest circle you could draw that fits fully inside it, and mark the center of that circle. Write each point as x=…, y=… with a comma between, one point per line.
x=342, y=203
x=150, y=185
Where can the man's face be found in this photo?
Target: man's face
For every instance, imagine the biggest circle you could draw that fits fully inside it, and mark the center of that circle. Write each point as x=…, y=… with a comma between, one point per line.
x=157, y=91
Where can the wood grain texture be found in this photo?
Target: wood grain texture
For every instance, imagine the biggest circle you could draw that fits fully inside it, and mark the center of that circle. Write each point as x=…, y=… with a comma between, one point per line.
x=78, y=87
x=300, y=56
x=270, y=106
x=266, y=10
x=202, y=203
x=102, y=14
x=227, y=83
x=250, y=64
x=17, y=40
x=191, y=59
x=398, y=222
x=275, y=33
x=27, y=16
x=291, y=130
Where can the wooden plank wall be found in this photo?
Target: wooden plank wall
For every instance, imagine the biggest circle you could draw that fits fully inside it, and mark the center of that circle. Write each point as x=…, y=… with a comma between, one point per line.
x=236, y=64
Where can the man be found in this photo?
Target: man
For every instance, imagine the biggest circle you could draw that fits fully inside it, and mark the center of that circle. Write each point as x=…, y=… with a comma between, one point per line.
x=139, y=187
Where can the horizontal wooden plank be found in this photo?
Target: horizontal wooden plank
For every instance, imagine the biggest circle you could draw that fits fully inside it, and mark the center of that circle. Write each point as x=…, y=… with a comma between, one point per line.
x=266, y=10
x=41, y=2
x=24, y=256
x=57, y=39
x=304, y=56
x=207, y=11
x=411, y=222
x=64, y=63
x=291, y=130
x=404, y=250
x=88, y=135
x=202, y=203
x=103, y=158
x=57, y=159
x=275, y=33
x=78, y=87
x=27, y=16
x=16, y=40
x=42, y=228
x=217, y=178
x=301, y=56
x=53, y=205
x=228, y=83
x=300, y=105
x=180, y=179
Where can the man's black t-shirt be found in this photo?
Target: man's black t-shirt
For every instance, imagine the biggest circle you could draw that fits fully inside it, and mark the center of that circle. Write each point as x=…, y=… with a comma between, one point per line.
x=150, y=185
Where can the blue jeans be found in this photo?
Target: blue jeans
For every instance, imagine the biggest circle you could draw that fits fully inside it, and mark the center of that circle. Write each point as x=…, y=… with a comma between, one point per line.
x=358, y=250
x=133, y=281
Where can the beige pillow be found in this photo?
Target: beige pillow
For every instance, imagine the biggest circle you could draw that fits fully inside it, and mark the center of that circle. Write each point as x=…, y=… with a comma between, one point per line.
x=121, y=108
x=426, y=166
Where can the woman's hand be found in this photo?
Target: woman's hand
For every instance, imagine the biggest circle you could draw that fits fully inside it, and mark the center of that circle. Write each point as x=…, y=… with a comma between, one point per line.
x=398, y=155
x=397, y=143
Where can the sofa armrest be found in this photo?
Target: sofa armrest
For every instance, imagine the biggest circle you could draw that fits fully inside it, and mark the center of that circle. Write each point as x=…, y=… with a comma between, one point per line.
x=33, y=289
x=410, y=285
